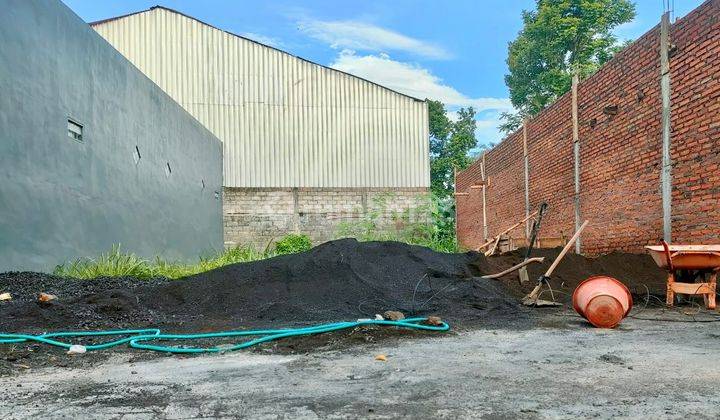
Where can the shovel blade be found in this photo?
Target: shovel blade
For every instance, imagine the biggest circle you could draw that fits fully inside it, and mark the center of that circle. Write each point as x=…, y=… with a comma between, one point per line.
x=532, y=299
x=538, y=303
x=524, y=278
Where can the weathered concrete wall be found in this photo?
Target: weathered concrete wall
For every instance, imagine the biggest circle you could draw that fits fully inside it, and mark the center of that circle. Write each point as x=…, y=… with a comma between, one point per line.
x=258, y=216
x=61, y=198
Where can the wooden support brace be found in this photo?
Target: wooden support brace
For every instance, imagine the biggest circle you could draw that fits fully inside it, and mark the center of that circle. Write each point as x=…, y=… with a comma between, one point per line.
x=506, y=231
x=515, y=267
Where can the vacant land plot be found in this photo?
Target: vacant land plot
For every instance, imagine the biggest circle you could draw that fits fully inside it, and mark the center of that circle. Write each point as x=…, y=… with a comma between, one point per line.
x=499, y=359
x=643, y=369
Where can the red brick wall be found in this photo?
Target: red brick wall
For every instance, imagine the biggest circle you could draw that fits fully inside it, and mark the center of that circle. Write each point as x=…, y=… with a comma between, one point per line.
x=620, y=155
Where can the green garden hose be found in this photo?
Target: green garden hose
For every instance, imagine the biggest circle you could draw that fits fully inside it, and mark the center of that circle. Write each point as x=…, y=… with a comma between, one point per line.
x=140, y=339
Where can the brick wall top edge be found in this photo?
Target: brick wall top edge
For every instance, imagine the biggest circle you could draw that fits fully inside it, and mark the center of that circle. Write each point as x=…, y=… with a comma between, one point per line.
x=322, y=189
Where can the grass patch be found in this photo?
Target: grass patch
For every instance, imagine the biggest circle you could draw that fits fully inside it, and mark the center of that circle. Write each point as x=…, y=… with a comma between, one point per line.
x=117, y=263
x=430, y=224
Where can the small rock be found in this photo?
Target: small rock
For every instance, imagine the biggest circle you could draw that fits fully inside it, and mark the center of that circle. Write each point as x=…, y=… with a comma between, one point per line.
x=381, y=358
x=393, y=315
x=5, y=296
x=434, y=320
x=46, y=297
x=611, y=358
x=76, y=349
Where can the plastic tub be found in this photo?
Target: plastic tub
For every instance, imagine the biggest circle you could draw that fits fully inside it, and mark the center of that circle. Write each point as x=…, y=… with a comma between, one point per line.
x=602, y=300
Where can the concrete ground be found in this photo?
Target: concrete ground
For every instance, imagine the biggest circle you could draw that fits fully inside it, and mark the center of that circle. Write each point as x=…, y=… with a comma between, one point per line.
x=643, y=369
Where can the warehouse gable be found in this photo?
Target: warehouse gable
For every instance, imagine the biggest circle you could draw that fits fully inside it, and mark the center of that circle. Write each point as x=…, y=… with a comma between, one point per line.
x=284, y=121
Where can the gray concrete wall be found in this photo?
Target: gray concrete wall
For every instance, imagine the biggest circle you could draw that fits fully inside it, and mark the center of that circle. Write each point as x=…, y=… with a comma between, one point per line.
x=257, y=217
x=60, y=198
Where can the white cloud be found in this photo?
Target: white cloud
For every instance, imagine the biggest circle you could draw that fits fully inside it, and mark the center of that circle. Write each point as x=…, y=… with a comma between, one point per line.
x=412, y=80
x=263, y=39
x=362, y=36
x=419, y=82
x=486, y=129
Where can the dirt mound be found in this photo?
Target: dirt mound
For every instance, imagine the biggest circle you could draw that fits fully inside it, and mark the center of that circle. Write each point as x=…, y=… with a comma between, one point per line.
x=637, y=271
x=339, y=280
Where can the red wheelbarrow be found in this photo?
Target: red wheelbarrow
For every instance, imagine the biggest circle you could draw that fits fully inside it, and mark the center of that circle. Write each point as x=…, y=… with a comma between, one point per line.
x=689, y=262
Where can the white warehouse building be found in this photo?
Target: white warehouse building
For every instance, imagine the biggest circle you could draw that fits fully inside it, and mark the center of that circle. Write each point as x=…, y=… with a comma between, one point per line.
x=305, y=146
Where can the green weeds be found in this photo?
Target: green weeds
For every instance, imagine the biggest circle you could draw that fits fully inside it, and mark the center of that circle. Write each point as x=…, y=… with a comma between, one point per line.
x=292, y=244
x=117, y=263
x=430, y=224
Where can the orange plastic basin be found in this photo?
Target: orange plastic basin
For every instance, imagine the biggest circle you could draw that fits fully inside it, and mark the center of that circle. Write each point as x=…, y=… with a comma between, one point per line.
x=602, y=300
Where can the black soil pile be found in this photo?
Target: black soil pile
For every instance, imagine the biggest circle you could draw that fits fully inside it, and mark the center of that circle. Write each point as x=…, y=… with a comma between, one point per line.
x=637, y=271
x=339, y=280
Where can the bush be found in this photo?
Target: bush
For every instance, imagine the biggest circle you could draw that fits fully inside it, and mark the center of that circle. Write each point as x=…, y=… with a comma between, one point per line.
x=292, y=244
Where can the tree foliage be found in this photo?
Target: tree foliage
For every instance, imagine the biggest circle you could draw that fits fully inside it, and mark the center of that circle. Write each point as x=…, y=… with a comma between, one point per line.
x=557, y=39
x=450, y=144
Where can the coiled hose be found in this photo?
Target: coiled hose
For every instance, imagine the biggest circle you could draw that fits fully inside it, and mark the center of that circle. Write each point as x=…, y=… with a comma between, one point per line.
x=143, y=338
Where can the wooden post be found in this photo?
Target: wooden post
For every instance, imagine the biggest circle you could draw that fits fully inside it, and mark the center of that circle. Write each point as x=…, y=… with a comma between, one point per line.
x=527, y=180
x=455, y=195
x=576, y=153
x=484, y=202
x=666, y=174
x=454, y=178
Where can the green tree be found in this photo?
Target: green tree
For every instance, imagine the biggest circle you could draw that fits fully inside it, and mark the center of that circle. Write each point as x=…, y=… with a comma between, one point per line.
x=450, y=144
x=557, y=39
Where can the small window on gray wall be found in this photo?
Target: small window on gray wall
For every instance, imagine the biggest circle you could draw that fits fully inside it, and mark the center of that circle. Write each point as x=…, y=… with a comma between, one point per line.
x=75, y=130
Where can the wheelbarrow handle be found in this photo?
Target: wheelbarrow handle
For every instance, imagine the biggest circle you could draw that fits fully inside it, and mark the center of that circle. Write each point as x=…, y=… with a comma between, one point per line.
x=666, y=247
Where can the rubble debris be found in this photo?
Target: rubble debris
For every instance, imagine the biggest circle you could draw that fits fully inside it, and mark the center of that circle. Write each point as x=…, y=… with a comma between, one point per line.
x=393, y=315
x=46, y=297
x=434, y=320
x=76, y=349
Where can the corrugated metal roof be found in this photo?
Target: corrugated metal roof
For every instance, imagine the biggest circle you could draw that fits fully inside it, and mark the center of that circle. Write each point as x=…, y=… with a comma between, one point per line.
x=98, y=22
x=284, y=121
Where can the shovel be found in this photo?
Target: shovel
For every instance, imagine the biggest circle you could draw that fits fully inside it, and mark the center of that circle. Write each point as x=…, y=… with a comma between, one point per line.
x=524, y=278
x=532, y=298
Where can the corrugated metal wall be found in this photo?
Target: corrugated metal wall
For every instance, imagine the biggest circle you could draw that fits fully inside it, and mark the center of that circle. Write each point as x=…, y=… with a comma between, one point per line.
x=284, y=122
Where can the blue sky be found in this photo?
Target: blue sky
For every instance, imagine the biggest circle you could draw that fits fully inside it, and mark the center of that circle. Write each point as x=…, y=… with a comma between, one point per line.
x=452, y=50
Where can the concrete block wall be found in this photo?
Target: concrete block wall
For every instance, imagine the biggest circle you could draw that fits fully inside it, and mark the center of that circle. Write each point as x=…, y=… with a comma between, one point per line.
x=620, y=151
x=259, y=216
